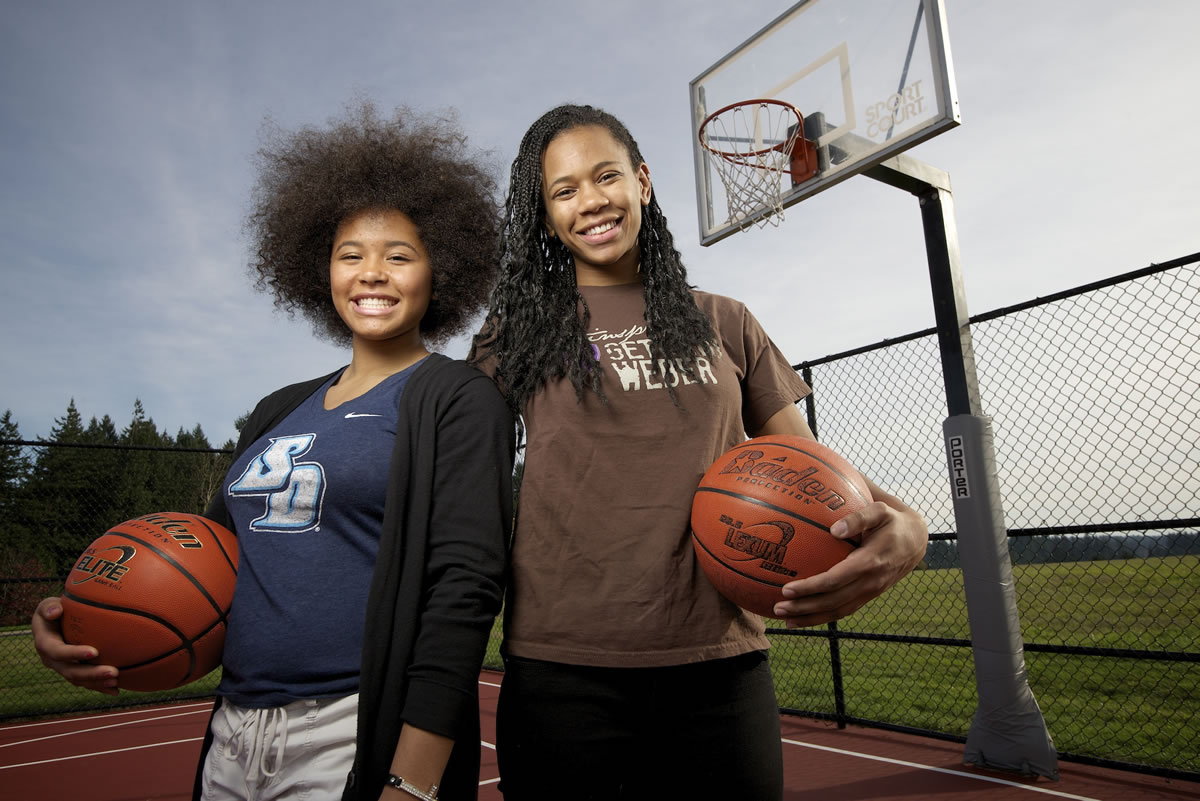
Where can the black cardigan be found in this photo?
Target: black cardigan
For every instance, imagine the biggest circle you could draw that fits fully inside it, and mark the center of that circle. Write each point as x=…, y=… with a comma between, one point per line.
x=439, y=575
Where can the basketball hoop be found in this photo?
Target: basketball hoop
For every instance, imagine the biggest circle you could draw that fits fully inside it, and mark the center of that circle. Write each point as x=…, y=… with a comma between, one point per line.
x=756, y=141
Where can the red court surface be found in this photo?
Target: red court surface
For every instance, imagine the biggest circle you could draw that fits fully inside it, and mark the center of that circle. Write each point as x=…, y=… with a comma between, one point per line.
x=152, y=753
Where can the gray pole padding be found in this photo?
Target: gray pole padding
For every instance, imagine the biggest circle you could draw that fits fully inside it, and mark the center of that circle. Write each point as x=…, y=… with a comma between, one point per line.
x=1008, y=731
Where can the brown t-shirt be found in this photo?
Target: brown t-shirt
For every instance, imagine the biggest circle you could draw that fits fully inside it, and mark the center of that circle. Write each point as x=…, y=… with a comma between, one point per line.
x=603, y=568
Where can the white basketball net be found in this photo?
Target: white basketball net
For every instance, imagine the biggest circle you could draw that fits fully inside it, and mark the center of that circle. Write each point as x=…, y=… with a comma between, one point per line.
x=750, y=148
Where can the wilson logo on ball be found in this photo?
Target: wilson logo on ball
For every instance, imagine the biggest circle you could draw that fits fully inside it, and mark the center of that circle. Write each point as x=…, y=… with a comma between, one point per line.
x=176, y=529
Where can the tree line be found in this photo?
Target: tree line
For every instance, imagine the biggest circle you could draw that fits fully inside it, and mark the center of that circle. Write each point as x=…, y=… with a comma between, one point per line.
x=58, y=497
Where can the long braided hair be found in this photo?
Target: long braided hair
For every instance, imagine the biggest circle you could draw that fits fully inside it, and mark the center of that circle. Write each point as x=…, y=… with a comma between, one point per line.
x=536, y=327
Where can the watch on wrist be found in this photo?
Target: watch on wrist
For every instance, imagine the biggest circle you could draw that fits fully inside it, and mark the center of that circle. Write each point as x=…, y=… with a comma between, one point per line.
x=393, y=780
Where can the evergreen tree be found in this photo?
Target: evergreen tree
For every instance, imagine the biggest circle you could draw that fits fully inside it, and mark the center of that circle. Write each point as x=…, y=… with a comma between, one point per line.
x=198, y=475
x=107, y=466
x=102, y=432
x=70, y=495
x=65, y=510
x=14, y=464
x=18, y=555
x=69, y=427
x=145, y=478
x=141, y=429
x=15, y=467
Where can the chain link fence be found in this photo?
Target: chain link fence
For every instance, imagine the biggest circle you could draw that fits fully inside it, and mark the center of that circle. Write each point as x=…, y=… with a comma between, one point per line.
x=1092, y=394
x=55, y=498
x=1093, y=399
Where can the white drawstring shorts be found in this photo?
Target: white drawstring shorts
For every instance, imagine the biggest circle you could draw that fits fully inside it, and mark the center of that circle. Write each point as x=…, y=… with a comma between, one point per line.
x=300, y=751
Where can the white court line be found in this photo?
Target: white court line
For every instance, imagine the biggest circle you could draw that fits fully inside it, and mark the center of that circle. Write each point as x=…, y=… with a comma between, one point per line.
x=58, y=721
x=204, y=707
x=173, y=742
x=101, y=753
x=137, y=722
x=942, y=770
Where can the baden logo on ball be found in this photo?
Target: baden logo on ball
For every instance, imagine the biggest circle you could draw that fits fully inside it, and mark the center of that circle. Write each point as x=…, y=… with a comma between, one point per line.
x=761, y=517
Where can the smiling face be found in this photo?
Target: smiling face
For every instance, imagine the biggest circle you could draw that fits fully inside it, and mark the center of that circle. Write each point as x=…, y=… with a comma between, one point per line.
x=593, y=197
x=379, y=277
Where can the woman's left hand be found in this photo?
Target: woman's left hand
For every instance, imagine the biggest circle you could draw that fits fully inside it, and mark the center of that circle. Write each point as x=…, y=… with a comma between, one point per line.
x=892, y=541
x=893, y=538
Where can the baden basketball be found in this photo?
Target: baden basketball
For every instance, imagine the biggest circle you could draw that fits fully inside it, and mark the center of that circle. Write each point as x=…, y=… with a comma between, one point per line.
x=152, y=595
x=762, y=512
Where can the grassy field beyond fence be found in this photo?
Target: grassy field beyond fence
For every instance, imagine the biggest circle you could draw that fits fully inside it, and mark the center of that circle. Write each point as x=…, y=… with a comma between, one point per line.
x=1130, y=710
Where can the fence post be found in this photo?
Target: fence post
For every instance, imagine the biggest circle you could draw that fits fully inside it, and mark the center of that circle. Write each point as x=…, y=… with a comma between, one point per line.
x=1007, y=731
x=835, y=650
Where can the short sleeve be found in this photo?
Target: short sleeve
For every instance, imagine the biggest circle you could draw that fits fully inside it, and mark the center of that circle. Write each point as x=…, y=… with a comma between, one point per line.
x=770, y=383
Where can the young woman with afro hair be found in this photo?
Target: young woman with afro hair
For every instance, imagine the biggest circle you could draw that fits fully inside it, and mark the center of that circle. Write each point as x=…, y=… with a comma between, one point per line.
x=627, y=676
x=372, y=505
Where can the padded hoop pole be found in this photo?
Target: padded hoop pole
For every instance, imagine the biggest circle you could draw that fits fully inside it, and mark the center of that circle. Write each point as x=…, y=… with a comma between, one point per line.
x=1008, y=731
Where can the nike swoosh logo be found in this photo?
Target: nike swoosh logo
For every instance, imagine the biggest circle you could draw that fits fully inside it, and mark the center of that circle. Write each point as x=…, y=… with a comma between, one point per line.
x=353, y=414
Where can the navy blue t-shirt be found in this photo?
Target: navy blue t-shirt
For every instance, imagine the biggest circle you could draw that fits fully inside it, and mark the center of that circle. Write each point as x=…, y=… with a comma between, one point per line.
x=306, y=501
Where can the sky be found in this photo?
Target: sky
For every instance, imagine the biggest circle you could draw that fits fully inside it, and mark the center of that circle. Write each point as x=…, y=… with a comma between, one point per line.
x=128, y=127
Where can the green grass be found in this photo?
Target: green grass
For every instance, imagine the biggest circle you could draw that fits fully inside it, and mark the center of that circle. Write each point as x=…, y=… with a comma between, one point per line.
x=28, y=688
x=1137, y=711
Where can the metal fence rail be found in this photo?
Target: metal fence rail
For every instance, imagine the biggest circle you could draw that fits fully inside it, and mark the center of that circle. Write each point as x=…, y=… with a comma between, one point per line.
x=1092, y=393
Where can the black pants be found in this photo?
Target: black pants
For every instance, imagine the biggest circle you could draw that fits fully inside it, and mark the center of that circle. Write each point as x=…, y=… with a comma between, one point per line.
x=699, y=731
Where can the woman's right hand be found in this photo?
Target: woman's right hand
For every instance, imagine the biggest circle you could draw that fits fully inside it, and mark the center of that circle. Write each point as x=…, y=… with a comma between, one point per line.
x=66, y=659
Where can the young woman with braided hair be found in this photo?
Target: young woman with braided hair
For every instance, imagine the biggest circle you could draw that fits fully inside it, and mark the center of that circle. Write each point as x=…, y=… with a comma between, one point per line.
x=627, y=676
x=372, y=505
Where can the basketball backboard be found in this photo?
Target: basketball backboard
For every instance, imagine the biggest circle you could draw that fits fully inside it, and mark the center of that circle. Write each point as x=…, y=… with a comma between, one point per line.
x=871, y=78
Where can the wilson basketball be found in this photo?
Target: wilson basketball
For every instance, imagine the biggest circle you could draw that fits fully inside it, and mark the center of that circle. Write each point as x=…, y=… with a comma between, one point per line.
x=761, y=517
x=152, y=595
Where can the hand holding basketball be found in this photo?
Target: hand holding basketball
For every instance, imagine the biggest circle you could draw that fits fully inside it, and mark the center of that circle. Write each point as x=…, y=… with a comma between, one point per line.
x=893, y=538
x=69, y=661
x=762, y=513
